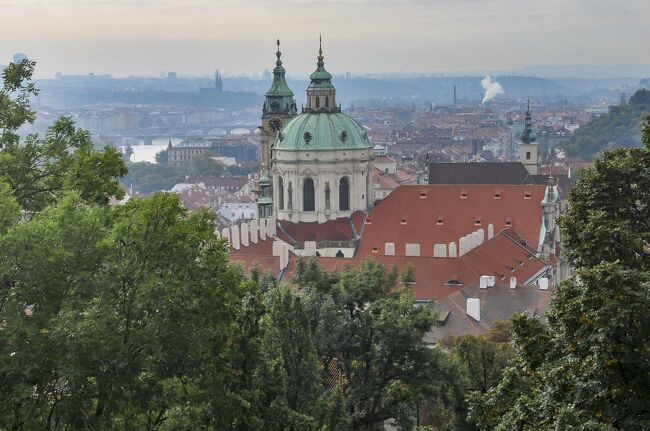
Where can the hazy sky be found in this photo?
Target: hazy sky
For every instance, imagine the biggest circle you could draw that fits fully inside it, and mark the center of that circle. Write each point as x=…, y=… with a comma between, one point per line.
x=144, y=37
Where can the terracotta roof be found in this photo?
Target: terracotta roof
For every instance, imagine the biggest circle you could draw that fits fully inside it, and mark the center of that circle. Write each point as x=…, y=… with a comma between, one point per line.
x=504, y=256
x=384, y=159
x=332, y=230
x=260, y=254
x=410, y=214
x=385, y=181
x=436, y=278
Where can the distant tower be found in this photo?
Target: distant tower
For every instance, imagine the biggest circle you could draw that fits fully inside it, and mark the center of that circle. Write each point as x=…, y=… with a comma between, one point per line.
x=455, y=95
x=279, y=107
x=218, y=83
x=528, y=146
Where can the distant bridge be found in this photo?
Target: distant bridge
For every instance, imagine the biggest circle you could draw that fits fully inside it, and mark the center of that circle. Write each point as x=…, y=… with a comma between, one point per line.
x=180, y=131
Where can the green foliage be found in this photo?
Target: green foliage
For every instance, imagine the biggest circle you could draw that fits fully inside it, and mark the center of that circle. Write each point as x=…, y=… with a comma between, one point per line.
x=39, y=171
x=375, y=336
x=408, y=273
x=618, y=128
x=162, y=156
x=9, y=208
x=588, y=370
x=130, y=305
x=150, y=177
x=205, y=164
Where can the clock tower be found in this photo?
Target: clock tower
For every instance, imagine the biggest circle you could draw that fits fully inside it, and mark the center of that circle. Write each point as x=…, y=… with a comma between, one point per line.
x=279, y=107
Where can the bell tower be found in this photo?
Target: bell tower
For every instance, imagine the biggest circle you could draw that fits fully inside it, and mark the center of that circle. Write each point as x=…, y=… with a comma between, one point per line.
x=279, y=107
x=528, y=146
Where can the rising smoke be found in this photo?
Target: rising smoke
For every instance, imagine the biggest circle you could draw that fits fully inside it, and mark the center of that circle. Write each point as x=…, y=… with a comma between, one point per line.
x=492, y=88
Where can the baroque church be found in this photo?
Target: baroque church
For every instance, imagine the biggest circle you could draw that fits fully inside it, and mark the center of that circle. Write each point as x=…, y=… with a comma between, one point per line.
x=492, y=243
x=316, y=165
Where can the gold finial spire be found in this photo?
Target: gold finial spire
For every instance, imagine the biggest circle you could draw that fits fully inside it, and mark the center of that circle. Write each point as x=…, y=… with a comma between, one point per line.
x=320, y=48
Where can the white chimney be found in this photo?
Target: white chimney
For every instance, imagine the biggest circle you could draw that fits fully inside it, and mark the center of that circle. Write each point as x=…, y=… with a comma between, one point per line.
x=452, y=249
x=254, y=231
x=543, y=283
x=513, y=282
x=491, y=281
x=310, y=248
x=225, y=233
x=484, y=281
x=474, y=308
x=243, y=228
x=234, y=237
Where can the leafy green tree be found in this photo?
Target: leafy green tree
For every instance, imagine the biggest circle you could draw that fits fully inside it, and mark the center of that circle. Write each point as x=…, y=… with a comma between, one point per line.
x=162, y=157
x=129, y=308
x=590, y=369
x=375, y=334
x=205, y=164
x=484, y=357
x=40, y=171
x=148, y=177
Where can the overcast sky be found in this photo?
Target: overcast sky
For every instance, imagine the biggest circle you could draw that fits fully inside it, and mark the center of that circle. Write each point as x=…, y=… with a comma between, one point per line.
x=144, y=37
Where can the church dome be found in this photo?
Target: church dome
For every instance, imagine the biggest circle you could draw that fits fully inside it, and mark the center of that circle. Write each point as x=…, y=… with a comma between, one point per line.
x=322, y=131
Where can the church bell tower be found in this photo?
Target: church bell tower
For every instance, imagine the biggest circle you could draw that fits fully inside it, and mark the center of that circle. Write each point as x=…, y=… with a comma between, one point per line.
x=279, y=107
x=528, y=146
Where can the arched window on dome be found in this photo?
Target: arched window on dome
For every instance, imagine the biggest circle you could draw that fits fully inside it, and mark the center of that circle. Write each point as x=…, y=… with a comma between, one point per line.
x=280, y=193
x=317, y=102
x=344, y=194
x=327, y=102
x=308, y=201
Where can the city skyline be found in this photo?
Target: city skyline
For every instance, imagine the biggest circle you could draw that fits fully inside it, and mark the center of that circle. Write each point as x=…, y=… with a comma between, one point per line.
x=362, y=36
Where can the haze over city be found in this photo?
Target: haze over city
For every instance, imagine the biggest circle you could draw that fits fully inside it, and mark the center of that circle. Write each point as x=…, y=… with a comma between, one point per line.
x=442, y=36
x=346, y=215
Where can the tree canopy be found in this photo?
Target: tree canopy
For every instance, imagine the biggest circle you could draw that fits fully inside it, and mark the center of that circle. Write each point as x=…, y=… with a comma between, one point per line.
x=589, y=369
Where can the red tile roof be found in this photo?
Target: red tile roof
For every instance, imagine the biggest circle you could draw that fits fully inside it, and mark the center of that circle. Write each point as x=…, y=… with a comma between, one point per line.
x=331, y=230
x=498, y=257
x=260, y=254
x=410, y=215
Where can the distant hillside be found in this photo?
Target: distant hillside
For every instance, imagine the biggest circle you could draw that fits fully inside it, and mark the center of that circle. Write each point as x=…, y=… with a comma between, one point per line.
x=620, y=127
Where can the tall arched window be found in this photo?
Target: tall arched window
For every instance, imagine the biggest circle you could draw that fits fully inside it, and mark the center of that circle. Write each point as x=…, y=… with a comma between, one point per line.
x=317, y=102
x=327, y=102
x=308, y=201
x=327, y=195
x=280, y=193
x=344, y=195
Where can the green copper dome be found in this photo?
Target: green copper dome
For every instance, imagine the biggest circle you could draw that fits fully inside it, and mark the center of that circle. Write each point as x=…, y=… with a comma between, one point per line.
x=322, y=131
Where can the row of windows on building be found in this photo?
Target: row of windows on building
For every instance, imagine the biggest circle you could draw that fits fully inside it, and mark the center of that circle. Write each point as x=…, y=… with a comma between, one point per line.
x=309, y=195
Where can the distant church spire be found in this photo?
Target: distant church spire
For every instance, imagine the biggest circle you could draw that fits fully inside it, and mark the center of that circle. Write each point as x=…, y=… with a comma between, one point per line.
x=528, y=137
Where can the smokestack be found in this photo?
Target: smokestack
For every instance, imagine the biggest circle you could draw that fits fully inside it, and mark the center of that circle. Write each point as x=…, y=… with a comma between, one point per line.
x=454, y=94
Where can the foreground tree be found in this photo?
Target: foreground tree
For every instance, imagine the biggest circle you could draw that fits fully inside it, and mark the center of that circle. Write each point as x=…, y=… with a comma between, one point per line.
x=374, y=335
x=590, y=368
